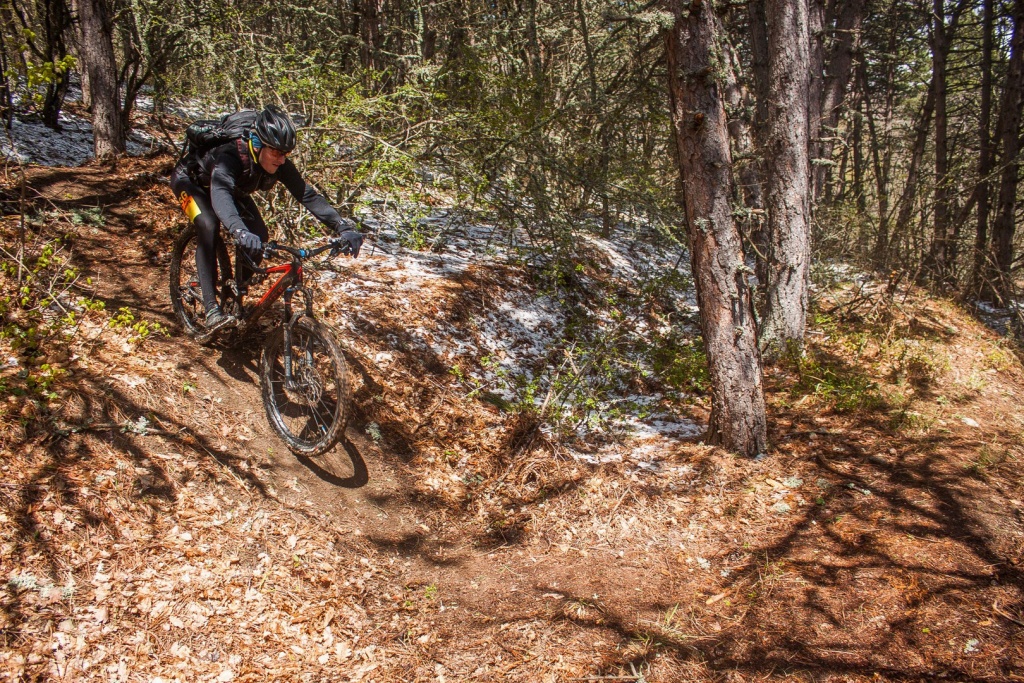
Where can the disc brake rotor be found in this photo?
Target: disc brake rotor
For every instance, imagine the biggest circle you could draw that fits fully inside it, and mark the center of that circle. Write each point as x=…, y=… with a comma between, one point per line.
x=309, y=385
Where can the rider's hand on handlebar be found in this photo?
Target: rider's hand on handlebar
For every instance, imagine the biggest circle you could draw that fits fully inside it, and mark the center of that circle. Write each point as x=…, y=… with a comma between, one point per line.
x=248, y=241
x=350, y=242
x=346, y=224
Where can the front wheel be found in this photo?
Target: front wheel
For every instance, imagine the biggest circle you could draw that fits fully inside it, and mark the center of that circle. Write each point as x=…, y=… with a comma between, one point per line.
x=310, y=412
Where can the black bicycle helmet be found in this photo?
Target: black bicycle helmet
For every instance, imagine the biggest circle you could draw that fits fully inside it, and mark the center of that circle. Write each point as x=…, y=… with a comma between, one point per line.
x=275, y=129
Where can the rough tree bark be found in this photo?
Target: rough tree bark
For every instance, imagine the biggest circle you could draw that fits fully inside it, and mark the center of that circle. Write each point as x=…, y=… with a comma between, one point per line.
x=737, y=420
x=98, y=55
x=785, y=148
x=737, y=101
x=758, y=27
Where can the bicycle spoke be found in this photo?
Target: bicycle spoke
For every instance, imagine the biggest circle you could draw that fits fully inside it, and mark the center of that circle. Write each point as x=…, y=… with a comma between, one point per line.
x=309, y=413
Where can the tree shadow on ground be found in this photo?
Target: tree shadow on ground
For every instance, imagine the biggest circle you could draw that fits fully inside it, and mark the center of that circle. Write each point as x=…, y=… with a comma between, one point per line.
x=895, y=552
x=78, y=467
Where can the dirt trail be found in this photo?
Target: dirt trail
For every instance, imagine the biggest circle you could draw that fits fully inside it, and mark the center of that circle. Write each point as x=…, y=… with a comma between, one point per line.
x=128, y=258
x=361, y=488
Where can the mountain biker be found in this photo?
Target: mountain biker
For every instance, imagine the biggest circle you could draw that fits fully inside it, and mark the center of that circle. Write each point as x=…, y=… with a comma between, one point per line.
x=219, y=191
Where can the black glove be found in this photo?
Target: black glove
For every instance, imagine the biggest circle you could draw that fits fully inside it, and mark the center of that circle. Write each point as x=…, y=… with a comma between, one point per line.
x=351, y=241
x=248, y=241
x=345, y=224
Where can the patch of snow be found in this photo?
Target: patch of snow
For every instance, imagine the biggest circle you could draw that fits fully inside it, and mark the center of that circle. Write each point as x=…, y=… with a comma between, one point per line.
x=31, y=142
x=996, y=318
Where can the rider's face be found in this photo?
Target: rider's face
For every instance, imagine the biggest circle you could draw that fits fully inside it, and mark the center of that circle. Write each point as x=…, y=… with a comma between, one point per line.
x=271, y=159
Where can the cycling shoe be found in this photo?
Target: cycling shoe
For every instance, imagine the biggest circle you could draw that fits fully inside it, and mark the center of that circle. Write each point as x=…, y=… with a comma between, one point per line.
x=216, y=320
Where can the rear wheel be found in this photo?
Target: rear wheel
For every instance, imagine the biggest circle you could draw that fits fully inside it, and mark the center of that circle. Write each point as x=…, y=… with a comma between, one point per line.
x=186, y=294
x=310, y=413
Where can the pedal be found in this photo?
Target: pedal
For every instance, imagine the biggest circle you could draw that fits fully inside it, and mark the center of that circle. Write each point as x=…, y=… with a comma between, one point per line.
x=230, y=323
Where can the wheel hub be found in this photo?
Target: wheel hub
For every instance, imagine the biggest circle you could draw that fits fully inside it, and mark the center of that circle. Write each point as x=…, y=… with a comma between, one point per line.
x=307, y=388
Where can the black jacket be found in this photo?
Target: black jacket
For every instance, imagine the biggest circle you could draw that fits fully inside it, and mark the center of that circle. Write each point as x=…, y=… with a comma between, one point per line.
x=231, y=171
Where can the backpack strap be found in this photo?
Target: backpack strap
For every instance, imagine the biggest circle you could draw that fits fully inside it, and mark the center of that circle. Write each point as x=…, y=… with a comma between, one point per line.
x=247, y=155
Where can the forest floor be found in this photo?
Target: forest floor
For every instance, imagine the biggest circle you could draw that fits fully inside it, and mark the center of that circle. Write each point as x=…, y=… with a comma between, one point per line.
x=153, y=528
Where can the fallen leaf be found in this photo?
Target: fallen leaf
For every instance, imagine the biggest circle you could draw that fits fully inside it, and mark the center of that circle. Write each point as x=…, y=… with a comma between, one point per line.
x=714, y=598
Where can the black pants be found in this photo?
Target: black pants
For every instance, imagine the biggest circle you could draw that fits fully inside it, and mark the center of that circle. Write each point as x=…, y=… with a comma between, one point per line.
x=207, y=224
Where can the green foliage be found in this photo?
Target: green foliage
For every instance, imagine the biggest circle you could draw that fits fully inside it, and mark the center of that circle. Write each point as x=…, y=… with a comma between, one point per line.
x=140, y=329
x=36, y=76
x=681, y=362
x=845, y=388
x=89, y=216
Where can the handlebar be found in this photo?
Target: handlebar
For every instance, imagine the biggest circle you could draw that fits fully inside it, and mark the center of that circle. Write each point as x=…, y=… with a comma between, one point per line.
x=335, y=245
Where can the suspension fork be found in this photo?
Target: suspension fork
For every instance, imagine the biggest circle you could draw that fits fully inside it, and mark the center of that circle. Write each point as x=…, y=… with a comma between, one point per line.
x=289, y=320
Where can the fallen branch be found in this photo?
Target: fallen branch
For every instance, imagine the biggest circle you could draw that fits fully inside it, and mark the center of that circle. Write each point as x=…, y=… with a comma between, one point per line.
x=1005, y=615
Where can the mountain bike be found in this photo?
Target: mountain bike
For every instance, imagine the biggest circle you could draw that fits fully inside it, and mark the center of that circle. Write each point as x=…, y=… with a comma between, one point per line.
x=303, y=375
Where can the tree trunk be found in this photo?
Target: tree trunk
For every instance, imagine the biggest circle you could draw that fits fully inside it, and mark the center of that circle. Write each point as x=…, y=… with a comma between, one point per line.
x=98, y=55
x=369, y=32
x=56, y=20
x=737, y=102
x=858, y=161
x=839, y=68
x=738, y=421
x=987, y=152
x=906, y=204
x=788, y=178
x=1010, y=118
x=816, y=22
x=759, y=66
x=880, y=164
x=938, y=257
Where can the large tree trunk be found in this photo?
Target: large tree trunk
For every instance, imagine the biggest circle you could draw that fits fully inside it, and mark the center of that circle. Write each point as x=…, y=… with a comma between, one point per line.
x=738, y=102
x=786, y=197
x=98, y=54
x=1010, y=118
x=737, y=420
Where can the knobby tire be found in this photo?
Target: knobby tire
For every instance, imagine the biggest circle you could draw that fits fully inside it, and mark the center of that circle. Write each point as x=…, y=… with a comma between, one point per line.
x=310, y=419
